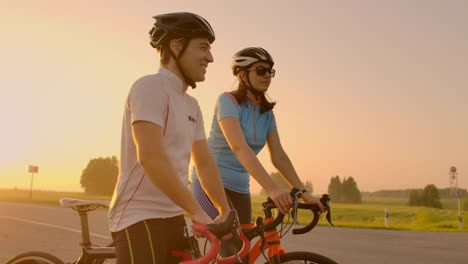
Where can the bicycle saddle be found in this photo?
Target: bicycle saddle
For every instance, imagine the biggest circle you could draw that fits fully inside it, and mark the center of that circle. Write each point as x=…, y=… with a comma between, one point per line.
x=71, y=202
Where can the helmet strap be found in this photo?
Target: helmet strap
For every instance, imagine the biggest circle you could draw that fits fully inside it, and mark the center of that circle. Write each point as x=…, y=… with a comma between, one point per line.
x=187, y=80
x=249, y=87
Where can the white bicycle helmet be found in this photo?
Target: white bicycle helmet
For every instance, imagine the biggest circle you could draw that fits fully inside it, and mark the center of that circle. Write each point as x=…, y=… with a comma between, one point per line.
x=248, y=56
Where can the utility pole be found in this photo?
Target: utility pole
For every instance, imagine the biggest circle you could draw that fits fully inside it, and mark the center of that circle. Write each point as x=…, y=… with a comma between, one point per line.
x=454, y=187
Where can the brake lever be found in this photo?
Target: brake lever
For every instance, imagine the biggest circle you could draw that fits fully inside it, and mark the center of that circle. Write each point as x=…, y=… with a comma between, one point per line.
x=325, y=200
x=237, y=238
x=295, y=203
x=260, y=229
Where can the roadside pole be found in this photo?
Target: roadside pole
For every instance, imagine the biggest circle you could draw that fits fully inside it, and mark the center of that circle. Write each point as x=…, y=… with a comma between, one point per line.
x=386, y=217
x=32, y=169
x=454, y=186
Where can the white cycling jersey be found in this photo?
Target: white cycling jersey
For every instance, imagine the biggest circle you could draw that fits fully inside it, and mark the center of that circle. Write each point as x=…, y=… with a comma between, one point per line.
x=161, y=99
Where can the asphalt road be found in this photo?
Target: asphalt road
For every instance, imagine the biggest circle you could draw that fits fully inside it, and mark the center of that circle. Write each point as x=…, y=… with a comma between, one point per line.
x=25, y=227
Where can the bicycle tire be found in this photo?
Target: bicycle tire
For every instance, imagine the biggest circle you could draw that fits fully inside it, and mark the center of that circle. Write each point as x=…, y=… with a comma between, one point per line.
x=304, y=258
x=34, y=257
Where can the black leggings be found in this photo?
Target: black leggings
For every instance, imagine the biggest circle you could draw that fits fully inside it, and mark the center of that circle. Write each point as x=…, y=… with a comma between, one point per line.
x=239, y=201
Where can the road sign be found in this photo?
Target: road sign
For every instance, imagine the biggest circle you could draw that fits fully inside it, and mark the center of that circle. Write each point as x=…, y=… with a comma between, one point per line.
x=33, y=169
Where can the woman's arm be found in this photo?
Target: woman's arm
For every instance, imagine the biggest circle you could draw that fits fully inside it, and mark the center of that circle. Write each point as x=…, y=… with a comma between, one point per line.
x=235, y=137
x=281, y=161
x=283, y=164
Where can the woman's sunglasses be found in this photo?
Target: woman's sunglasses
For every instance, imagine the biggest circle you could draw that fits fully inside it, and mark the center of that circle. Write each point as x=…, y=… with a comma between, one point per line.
x=261, y=71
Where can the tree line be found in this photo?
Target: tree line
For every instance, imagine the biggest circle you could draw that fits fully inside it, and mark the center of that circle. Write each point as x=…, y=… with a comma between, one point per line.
x=100, y=176
x=443, y=192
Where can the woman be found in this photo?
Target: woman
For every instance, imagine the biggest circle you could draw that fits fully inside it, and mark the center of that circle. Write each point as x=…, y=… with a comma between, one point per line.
x=243, y=122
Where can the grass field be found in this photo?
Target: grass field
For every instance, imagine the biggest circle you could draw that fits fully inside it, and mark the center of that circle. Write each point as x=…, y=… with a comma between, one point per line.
x=44, y=197
x=369, y=214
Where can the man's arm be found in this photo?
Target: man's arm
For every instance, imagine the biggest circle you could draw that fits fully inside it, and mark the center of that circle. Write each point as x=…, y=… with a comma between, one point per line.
x=208, y=175
x=157, y=166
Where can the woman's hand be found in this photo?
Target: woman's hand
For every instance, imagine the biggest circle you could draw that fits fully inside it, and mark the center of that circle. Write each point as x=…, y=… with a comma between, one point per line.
x=309, y=199
x=282, y=200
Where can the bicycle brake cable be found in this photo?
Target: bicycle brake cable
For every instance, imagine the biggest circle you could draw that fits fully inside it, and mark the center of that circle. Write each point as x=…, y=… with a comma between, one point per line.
x=288, y=228
x=236, y=238
x=204, y=247
x=261, y=233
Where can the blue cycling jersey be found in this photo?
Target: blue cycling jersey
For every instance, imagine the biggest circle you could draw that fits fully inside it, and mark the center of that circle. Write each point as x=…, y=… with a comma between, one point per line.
x=255, y=127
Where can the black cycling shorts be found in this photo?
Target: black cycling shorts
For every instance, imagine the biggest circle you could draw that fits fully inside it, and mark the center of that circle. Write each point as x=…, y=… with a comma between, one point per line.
x=151, y=241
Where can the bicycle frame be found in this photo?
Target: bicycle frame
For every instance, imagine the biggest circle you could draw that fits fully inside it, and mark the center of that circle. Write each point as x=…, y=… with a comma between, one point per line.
x=272, y=244
x=89, y=251
x=269, y=234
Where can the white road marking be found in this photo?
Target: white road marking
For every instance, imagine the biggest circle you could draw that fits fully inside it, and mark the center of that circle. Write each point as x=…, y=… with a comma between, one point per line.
x=53, y=226
x=49, y=207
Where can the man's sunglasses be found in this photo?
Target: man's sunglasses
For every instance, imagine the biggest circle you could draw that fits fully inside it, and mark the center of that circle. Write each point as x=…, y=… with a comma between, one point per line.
x=261, y=71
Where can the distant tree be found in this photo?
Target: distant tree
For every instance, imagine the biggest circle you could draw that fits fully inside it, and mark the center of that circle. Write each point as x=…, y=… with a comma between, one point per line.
x=430, y=197
x=450, y=192
x=335, y=189
x=465, y=205
x=414, y=198
x=350, y=191
x=100, y=175
x=309, y=186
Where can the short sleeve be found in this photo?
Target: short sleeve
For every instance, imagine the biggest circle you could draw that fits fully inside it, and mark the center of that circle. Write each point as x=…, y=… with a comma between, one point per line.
x=272, y=126
x=226, y=106
x=148, y=101
x=200, y=129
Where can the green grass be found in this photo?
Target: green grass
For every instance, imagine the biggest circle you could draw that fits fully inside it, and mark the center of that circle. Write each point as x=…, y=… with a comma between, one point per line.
x=369, y=214
x=44, y=197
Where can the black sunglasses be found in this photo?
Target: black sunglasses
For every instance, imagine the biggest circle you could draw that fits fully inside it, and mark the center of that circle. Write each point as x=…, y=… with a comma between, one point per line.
x=261, y=71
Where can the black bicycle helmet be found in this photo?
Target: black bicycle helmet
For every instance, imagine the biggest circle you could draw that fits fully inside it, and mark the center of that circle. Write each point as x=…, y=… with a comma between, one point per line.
x=181, y=24
x=248, y=56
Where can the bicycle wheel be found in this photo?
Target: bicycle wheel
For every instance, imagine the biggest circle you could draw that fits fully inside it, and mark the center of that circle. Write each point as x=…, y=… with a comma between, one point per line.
x=305, y=257
x=34, y=257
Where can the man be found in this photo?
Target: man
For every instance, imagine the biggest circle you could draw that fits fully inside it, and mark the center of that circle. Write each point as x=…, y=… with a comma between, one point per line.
x=162, y=129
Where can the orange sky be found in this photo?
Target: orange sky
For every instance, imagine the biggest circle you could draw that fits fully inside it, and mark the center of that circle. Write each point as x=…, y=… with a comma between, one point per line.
x=374, y=91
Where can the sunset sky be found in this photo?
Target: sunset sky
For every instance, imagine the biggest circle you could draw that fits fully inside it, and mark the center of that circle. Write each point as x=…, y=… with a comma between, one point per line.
x=376, y=90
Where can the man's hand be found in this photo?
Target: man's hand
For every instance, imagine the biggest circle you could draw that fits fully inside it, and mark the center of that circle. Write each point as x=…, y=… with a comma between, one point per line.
x=200, y=217
x=221, y=217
